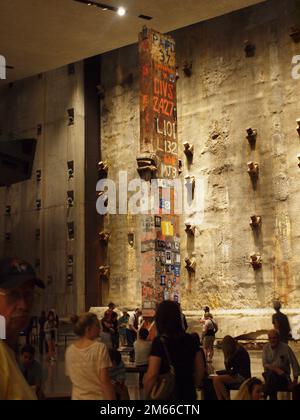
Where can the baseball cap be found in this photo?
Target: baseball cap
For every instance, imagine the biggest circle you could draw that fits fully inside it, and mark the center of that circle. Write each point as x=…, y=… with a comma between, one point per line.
x=14, y=272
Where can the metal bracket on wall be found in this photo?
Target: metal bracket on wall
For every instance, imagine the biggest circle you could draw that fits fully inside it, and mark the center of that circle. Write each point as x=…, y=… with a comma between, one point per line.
x=104, y=237
x=187, y=69
x=38, y=204
x=295, y=34
x=251, y=136
x=103, y=168
x=256, y=261
x=71, y=230
x=298, y=126
x=39, y=129
x=37, y=234
x=7, y=237
x=70, y=198
x=249, y=49
x=71, y=116
x=7, y=210
x=188, y=150
x=38, y=175
x=71, y=169
x=256, y=222
x=104, y=272
x=191, y=263
x=190, y=229
x=253, y=170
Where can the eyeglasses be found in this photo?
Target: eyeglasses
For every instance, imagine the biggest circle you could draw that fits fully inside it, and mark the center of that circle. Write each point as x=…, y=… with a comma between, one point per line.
x=15, y=295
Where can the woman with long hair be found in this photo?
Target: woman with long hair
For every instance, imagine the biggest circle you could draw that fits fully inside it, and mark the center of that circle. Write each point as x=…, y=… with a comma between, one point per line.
x=237, y=368
x=251, y=390
x=183, y=352
x=87, y=362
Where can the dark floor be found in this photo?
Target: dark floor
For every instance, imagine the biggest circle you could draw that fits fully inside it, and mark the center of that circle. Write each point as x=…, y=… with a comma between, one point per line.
x=57, y=384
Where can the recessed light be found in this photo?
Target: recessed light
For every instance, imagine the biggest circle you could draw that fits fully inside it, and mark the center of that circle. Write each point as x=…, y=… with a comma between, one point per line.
x=121, y=11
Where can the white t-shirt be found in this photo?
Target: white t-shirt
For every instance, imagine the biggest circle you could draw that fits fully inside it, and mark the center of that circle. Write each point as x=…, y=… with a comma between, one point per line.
x=142, y=351
x=83, y=367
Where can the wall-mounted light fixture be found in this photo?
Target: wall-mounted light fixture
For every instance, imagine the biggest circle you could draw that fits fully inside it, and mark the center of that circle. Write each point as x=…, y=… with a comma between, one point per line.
x=253, y=170
x=188, y=150
x=256, y=222
x=71, y=230
x=8, y=210
x=70, y=198
x=298, y=126
x=39, y=129
x=38, y=175
x=190, y=229
x=249, y=49
x=71, y=169
x=191, y=263
x=38, y=204
x=295, y=34
x=251, y=136
x=104, y=237
x=71, y=116
x=256, y=261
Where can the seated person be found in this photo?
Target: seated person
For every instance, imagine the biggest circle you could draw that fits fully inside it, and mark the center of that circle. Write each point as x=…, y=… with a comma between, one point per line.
x=117, y=375
x=278, y=358
x=237, y=368
x=251, y=390
x=31, y=370
x=142, y=348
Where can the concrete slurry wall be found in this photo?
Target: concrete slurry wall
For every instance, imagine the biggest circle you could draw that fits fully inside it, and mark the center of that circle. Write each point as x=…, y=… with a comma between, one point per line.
x=45, y=100
x=226, y=94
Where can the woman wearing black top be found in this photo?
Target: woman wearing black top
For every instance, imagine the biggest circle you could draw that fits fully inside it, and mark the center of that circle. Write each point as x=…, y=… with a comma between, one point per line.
x=238, y=368
x=183, y=350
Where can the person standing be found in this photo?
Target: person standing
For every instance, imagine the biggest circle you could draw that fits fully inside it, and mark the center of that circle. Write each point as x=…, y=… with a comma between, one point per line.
x=281, y=323
x=17, y=283
x=134, y=323
x=110, y=321
x=87, y=362
x=50, y=329
x=122, y=325
x=278, y=358
x=183, y=351
x=210, y=328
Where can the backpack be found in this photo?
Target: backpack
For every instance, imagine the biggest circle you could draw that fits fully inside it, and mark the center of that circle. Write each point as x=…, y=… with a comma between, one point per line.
x=216, y=328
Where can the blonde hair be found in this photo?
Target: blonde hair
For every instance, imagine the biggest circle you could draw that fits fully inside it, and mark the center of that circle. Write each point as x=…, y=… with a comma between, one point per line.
x=246, y=389
x=82, y=322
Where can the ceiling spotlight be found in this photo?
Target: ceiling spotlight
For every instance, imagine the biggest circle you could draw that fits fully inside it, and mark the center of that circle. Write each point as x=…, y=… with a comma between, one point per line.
x=121, y=11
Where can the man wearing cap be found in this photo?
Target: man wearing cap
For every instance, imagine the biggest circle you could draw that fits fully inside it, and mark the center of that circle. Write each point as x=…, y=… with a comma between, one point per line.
x=17, y=283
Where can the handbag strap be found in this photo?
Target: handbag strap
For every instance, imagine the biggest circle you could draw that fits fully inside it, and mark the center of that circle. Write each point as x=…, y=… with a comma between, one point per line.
x=162, y=339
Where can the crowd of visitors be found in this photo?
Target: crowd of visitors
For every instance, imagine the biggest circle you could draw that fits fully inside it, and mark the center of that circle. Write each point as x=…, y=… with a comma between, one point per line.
x=177, y=365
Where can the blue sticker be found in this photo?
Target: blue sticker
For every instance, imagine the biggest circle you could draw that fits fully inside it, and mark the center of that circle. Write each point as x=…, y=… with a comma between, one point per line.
x=162, y=280
x=177, y=270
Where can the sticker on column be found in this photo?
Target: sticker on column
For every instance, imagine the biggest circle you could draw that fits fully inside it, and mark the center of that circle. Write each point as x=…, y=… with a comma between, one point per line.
x=168, y=257
x=162, y=280
x=167, y=229
x=177, y=270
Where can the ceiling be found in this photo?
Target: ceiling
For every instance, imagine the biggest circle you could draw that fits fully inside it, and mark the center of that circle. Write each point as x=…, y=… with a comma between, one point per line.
x=40, y=35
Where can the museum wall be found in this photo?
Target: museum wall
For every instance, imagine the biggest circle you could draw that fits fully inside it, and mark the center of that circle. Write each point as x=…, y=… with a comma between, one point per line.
x=224, y=93
x=24, y=105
